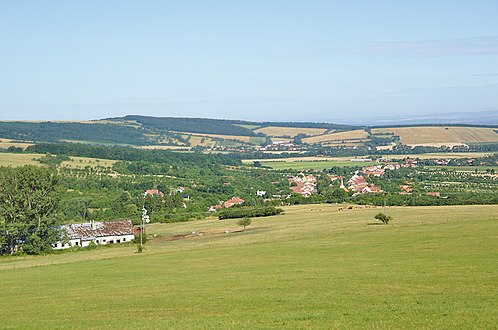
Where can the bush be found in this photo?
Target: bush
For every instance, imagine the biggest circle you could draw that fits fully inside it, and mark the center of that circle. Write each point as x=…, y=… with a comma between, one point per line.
x=384, y=218
x=245, y=221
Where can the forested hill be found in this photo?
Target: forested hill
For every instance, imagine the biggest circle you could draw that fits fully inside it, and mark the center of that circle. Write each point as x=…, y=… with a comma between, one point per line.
x=192, y=125
x=73, y=131
x=219, y=126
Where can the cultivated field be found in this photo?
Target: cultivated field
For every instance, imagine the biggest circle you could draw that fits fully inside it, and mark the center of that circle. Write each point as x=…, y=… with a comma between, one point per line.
x=289, y=131
x=438, y=136
x=314, y=267
x=334, y=137
x=82, y=162
x=8, y=159
x=6, y=143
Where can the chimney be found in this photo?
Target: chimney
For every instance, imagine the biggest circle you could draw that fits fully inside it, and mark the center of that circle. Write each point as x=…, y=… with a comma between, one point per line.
x=93, y=225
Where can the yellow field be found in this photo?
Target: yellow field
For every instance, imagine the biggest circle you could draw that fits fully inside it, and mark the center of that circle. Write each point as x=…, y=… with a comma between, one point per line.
x=82, y=162
x=437, y=136
x=356, y=134
x=289, y=131
x=6, y=143
x=8, y=159
x=201, y=141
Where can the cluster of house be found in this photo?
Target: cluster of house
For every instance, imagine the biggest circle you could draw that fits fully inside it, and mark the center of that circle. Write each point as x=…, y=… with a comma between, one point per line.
x=359, y=185
x=82, y=234
x=303, y=184
x=228, y=203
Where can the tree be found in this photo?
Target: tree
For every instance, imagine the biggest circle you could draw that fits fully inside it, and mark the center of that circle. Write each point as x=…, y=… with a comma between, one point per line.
x=244, y=222
x=29, y=205
x=384, y=218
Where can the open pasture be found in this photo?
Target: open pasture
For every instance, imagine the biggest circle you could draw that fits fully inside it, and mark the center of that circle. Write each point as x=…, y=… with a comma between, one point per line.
x=314, y=267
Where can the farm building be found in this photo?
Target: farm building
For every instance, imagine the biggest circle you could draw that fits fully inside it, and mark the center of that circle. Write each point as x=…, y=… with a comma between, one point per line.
x=82, y=234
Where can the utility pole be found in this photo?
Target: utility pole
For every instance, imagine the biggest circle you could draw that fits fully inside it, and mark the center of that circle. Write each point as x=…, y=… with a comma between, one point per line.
x=145, y=219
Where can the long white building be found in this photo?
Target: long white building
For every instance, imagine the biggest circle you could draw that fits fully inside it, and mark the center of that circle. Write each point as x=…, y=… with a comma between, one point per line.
x=82, y=234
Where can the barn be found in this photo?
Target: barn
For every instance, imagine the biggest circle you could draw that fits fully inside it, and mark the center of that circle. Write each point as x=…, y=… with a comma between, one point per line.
x=82, y=234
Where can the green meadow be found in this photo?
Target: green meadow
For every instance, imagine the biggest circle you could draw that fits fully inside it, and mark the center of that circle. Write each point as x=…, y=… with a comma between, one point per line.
x=314, y=267
x=312, y=165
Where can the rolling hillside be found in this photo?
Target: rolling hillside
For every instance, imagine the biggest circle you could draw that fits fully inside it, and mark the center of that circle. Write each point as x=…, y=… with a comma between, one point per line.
x=161, y=132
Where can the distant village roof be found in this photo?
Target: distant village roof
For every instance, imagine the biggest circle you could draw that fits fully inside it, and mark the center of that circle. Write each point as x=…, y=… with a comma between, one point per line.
x=92, y=230
x=153, y=192
x=234, y=201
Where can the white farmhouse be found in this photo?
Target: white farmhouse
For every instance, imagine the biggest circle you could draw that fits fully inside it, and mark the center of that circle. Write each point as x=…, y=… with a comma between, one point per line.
x=82, y=234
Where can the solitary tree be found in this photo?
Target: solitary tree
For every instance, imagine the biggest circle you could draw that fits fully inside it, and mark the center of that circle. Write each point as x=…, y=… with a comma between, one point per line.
x=384, y=218
x=244, y=222
x=29, y=205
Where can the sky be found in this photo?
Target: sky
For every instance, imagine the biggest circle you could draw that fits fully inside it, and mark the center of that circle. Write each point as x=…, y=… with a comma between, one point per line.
x=286, y=60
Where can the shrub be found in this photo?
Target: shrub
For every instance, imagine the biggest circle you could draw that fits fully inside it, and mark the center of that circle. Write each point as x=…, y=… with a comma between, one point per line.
x=384, y=218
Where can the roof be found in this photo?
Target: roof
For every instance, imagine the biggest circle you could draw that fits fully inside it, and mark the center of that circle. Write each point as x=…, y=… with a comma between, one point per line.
x=153, y=192
x=84, y=231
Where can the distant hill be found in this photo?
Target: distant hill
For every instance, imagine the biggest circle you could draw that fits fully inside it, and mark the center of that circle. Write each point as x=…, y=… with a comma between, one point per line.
x=167, y=132
x=452, y=118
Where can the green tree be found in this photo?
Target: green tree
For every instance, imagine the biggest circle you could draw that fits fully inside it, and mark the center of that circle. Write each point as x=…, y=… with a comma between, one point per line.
x=244, y=222
x=29, y=205
x=384, y=218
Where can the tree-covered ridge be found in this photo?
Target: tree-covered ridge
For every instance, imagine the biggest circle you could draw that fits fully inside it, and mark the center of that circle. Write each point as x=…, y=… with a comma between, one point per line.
x=55, y=131
x=164, y=157
x=193, y=125
x=219, y=126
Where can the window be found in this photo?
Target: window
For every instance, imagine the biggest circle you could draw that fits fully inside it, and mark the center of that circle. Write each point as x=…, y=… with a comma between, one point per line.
x=76, y=243
x=124, y=239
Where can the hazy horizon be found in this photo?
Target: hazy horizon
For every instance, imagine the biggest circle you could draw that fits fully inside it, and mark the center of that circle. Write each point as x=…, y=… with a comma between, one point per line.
x=324, y=61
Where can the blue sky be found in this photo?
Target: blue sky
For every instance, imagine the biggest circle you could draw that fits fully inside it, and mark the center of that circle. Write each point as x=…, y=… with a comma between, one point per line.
x=257, y=60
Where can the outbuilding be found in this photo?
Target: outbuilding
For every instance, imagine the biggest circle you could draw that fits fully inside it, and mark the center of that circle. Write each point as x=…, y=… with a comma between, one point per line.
x=82, y=234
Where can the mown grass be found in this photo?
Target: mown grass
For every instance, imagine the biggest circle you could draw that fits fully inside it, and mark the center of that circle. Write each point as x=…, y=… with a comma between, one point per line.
x=315, y=267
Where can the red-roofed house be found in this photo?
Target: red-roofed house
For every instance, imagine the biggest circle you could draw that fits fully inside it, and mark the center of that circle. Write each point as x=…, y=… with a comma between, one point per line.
x=233, y=201
x=153, y=192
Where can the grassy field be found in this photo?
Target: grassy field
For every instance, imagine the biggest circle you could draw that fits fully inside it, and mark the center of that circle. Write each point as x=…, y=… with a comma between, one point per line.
x=6, y=143
x=9, y=159
x=289, y=131
x=348, y=135
x=82, y=162
x=314, y=267
x=437, y=136
x=312, y=165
